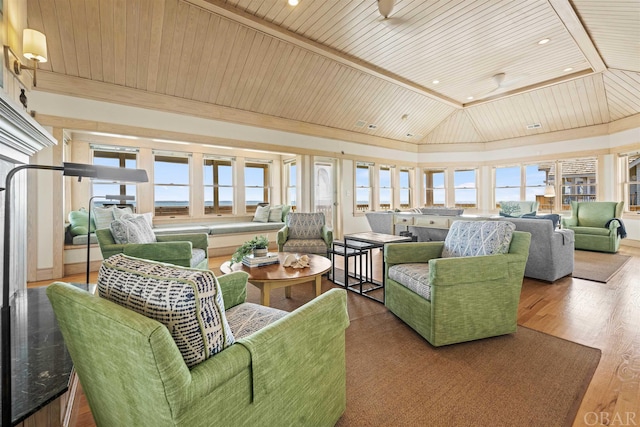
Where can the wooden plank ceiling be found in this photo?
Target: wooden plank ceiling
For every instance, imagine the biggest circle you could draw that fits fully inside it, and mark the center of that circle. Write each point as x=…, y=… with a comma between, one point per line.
x=339, y=65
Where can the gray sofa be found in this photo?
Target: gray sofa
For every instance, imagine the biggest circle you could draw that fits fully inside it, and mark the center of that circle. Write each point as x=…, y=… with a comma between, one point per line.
x=551, y=251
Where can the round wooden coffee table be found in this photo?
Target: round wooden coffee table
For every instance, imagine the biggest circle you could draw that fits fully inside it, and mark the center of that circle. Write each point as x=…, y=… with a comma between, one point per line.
x=276, y=276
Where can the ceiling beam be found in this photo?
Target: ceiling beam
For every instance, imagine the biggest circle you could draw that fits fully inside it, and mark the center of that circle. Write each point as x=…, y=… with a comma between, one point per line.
x=575, y=27
x=248, y=20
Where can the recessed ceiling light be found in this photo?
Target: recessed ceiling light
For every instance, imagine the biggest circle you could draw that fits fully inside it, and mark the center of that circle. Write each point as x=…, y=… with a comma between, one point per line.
x=293, y=2
x=404, y=117
x=469, y=98
x=568, y=69
x=435, y=82
x=409, y=135
x=544, y=41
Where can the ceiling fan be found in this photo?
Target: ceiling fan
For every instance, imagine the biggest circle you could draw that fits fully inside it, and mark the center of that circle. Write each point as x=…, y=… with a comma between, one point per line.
x=501, y=83
x=385, y=7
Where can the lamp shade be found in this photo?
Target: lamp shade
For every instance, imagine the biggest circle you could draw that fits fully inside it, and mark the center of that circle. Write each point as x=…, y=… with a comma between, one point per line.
x=34, y=45
x=108, y=173
x=549, y=191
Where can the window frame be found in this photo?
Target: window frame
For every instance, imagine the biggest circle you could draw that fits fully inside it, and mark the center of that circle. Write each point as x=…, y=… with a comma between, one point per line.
x=474, y=188
x=390, y=189
x=496, y=199
x=122, y=155
x=173, y=211
x=369, y=206
x=429, y=190
x=291, y=185
x=216, y=163
x=266, y=189
x=631, y=200
x=407, y=189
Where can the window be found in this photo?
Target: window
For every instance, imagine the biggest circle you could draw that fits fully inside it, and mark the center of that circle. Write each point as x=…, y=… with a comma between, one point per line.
x=537, y=177
x=363, y=186
x=405, y=188
x=256, y=189
x=630, y=170
x=218, y=186
x=385, y=190
x=507, y=184
x=465, y=188
x=578, y=181
x=118, y=159
x=171, y=185
x=434, y=187
x=291, y=180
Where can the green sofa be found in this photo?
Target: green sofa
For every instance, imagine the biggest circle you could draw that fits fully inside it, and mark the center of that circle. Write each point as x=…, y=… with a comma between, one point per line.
x=590, y=221
x=175, y=249
x=471, y=297
x=289, y=373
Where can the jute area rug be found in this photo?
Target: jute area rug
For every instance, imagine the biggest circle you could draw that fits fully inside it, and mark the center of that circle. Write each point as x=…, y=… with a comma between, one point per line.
x=395, y=378
x=597, y=266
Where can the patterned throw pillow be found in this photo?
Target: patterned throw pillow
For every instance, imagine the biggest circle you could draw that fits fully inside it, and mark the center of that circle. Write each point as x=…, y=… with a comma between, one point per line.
x=187, y=301
x=262, y=214
x=305, y=225
x=474, y=238
x=102, y=217
x=132, y=229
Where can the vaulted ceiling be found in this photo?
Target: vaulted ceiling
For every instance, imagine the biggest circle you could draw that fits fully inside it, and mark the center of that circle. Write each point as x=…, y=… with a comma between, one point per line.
x=339, y=65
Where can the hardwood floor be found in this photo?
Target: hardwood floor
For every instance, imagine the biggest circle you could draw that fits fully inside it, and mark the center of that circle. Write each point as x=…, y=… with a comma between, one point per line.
x=604, y=316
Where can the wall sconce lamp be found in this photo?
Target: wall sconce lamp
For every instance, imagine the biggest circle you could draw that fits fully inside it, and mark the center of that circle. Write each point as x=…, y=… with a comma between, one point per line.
x=34, y=48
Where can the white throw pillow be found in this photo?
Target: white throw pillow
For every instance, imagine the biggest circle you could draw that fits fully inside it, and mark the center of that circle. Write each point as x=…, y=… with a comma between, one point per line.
x=102, y=217
x=262, y=214
x=132, y=229
x=275, y=214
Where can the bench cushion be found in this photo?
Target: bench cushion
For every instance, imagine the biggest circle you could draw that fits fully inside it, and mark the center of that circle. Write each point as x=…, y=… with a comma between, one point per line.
x=244, y=227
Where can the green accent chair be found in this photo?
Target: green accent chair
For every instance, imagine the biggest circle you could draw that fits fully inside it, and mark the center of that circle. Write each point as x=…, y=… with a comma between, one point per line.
x=177, y=249
x=471, y=297
x=588, y=221
x=289, y=373
x=305, y=233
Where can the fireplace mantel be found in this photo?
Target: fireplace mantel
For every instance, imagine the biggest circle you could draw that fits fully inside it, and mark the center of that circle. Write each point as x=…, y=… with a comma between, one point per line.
x=21, y=136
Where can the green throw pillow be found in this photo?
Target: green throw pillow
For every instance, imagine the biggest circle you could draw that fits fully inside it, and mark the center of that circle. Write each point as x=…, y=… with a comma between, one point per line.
x=79, y=221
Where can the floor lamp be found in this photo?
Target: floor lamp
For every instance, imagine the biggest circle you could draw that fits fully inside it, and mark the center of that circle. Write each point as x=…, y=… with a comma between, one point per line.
x=550, y=193
x=68, y=169
x=118, y=197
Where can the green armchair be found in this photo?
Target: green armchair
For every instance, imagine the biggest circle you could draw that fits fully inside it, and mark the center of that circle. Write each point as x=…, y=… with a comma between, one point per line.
x=187, y=250
x=290, y=372
x=593, y=226
x=458, y=298
x=305, y=233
